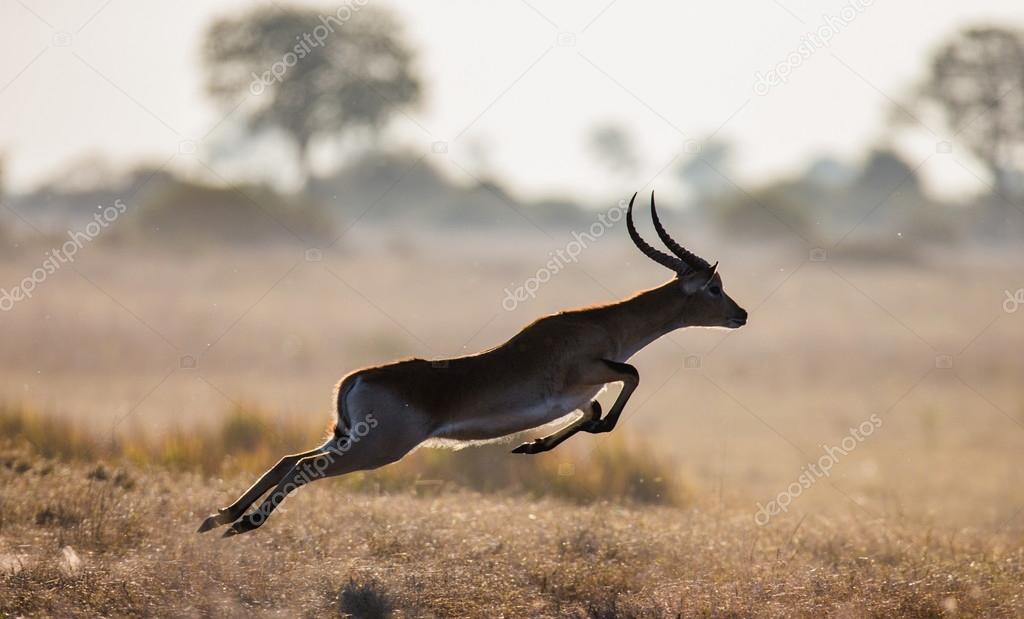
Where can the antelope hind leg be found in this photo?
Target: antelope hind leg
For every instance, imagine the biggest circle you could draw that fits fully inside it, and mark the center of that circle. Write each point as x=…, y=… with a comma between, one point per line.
x=371, y=452
x=268, y=480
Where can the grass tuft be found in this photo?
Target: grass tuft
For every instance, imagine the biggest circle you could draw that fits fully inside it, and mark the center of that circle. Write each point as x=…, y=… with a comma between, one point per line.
x=363, y=601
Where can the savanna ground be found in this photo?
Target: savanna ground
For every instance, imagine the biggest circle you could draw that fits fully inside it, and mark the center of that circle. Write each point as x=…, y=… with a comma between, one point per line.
x=457, y=553
x=145, y=389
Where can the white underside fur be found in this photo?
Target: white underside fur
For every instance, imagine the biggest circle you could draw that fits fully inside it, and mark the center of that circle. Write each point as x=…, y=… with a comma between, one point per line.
x=456, y=445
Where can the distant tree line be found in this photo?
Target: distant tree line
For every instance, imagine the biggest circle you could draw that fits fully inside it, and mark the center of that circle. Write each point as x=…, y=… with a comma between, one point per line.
x=341, y=77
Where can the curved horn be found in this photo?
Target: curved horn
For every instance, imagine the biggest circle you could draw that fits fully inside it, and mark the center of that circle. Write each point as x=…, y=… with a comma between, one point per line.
x=660, y=257
x=692, y=260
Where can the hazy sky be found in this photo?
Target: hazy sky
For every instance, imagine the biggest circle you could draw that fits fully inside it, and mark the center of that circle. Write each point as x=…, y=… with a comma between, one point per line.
x=513, y=86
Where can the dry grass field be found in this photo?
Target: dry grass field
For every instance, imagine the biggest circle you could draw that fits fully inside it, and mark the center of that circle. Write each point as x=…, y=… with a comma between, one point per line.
x=128, y=378
x=91, y=541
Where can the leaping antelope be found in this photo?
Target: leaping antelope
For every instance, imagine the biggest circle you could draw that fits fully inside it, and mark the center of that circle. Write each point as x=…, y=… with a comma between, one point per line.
x=549, y=370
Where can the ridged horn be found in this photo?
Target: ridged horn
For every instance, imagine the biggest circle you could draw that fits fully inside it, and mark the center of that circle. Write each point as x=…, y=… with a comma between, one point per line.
x=691, y=259
x=660, y=257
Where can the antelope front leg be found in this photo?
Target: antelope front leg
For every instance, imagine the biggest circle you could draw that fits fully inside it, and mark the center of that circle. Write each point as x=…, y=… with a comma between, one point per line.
x=606, y=372
x=548, y=443
x=629, y=378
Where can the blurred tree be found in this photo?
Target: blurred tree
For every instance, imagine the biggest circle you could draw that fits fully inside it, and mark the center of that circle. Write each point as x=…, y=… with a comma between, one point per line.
x=311, y=74
x=977, y=78
x=829, y=172
x=886, y=200
x=612, y=146
x=707, y=172
x=780, y=210
x=885, y=177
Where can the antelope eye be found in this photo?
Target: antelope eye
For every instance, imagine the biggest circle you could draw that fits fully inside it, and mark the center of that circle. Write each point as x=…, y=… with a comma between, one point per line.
x=715, y=290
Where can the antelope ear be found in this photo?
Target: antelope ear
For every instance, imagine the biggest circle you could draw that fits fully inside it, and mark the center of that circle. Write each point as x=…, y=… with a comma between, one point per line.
x=710, y=274
x=695, y=281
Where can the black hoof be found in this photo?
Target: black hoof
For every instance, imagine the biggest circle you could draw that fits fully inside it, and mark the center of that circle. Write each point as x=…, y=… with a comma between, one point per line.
x=529, y=448
x=215, y=520
x=243, y=525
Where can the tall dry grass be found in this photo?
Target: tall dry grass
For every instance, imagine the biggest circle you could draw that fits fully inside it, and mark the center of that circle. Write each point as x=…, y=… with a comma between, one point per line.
x=248, y=440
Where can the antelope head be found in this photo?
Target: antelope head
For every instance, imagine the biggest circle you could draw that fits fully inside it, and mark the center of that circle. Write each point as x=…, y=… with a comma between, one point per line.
x=705, y=303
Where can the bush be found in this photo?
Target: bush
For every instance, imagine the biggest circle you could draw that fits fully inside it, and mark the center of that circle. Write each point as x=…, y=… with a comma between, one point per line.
x=47, y=435
x=183, y=214
x=365, y=601
x=776, y=211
